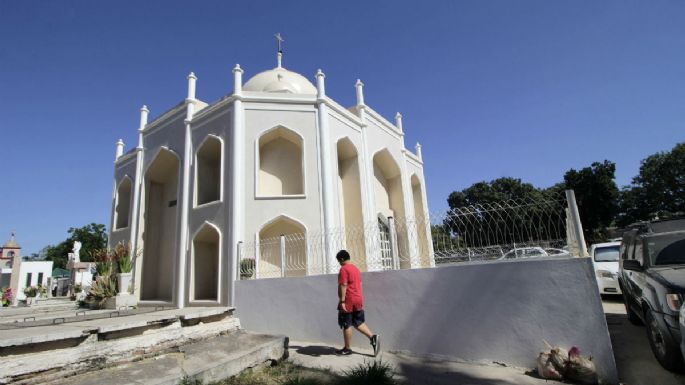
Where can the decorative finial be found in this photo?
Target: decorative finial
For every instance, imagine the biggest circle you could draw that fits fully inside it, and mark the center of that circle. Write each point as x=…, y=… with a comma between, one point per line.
x=119, y=149
x=320, y=84
x=398, y=121
x=279, y=54
x=143, y=117
x=191, y=86
x=237, y=80
x=359, y=86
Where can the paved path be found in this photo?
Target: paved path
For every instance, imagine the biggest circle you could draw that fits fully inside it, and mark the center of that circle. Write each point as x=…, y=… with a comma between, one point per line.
x=634, y=359
x=412, y=369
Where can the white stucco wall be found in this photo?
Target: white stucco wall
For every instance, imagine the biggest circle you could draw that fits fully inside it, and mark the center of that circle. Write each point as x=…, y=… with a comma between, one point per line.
x=477, y=312
x=35, y=268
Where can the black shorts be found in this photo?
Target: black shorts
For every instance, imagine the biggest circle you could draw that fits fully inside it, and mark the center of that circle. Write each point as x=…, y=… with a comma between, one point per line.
x=345, y=320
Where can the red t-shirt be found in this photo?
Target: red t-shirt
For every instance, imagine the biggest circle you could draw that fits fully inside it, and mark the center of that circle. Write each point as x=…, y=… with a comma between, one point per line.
x=351, y=276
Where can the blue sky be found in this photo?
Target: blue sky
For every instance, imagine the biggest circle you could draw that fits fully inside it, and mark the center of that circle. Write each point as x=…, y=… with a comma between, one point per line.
x=525, y=89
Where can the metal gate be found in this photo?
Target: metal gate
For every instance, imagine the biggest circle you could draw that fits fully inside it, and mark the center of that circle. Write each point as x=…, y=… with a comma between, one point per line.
x=384, y=246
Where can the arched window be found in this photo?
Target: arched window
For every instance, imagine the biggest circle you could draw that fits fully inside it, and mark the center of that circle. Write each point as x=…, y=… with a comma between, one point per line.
x=122, y=210
x=160, y=212
x=390, y=199
x=280, y=163
x=387, y=185
x=350, y=202
x=206, y=264
x=274, y=249
x=208, y=171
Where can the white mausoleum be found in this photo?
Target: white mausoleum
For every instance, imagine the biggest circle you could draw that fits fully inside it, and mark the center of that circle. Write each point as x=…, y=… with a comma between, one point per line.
x=275, y=157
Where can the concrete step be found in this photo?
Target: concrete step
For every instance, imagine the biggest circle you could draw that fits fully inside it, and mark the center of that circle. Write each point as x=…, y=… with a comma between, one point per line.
x=30, y=310
x=209, y=361
x=35, y=355
x=47, y=318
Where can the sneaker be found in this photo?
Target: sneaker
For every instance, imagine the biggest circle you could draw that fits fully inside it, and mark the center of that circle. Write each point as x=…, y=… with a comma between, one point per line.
x=343, y=352
x=376, y=343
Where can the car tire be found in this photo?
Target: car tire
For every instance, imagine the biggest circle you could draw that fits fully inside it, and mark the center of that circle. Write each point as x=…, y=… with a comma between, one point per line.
x=666, y=351
x=632, y=316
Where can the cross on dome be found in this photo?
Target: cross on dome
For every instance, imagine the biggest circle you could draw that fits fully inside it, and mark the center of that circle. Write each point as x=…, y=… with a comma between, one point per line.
x=279, y=54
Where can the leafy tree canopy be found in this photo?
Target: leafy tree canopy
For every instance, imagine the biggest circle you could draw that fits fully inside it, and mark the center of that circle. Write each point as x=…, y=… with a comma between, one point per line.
x=596, y=195
x=498, y=190
x=92, y=237
x=658, y=191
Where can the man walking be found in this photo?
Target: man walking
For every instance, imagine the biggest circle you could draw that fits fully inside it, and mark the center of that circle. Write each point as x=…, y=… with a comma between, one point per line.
x=351, y=304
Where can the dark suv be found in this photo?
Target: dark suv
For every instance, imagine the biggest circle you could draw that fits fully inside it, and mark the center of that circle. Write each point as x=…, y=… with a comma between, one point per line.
x=652, y=278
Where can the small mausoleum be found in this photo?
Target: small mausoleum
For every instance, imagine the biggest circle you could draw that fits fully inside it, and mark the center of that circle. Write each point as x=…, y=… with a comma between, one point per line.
x=275, y=158
x=18, y=274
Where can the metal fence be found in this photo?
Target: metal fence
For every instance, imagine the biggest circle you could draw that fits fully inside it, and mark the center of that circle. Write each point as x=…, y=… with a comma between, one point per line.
x=498, y=230
x=501, y=230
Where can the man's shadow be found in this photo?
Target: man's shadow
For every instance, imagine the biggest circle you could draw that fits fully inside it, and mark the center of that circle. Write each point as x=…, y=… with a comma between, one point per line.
x=318, y=351
x=314, y=350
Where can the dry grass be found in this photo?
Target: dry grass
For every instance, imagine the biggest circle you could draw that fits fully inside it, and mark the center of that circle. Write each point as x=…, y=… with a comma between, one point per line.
x=283, y=373
x=287, y=373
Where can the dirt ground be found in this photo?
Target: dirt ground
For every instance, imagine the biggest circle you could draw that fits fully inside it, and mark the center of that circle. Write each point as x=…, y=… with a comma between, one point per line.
x=411, y=370
x=634, y=359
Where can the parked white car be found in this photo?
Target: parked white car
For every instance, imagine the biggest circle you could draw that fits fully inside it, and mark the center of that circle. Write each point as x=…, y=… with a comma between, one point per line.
x=605, y=259
x=525, y=252
x=557, y=252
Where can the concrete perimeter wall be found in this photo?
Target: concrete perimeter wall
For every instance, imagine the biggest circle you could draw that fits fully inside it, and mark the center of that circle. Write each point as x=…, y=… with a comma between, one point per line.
x=475, y=312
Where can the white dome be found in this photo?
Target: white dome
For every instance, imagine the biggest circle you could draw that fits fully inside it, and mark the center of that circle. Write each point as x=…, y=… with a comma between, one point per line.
x=280, y=80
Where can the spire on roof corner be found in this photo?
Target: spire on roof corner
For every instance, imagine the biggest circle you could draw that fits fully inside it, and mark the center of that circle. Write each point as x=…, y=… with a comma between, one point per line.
x=359, y=86
x=119, y=149
x=143, y=117
x=237, y=80
x=191, y=86
x=320, y=84
x=398, y=121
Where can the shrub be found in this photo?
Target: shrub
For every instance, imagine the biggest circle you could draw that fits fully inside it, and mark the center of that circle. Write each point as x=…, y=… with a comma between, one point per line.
x=122, y=255
x=376, y=372
x=104, y=262
x=116, y=260
x=30, y=291
x=247, y=268
x=7, y=296
x=104, y=287
x=41, y=290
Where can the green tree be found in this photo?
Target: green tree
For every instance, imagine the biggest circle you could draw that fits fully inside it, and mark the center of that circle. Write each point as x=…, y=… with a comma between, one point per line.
x=92, y=237
x=658, y=191
x=502, y=211
x=597, y=197
x=498, y=190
